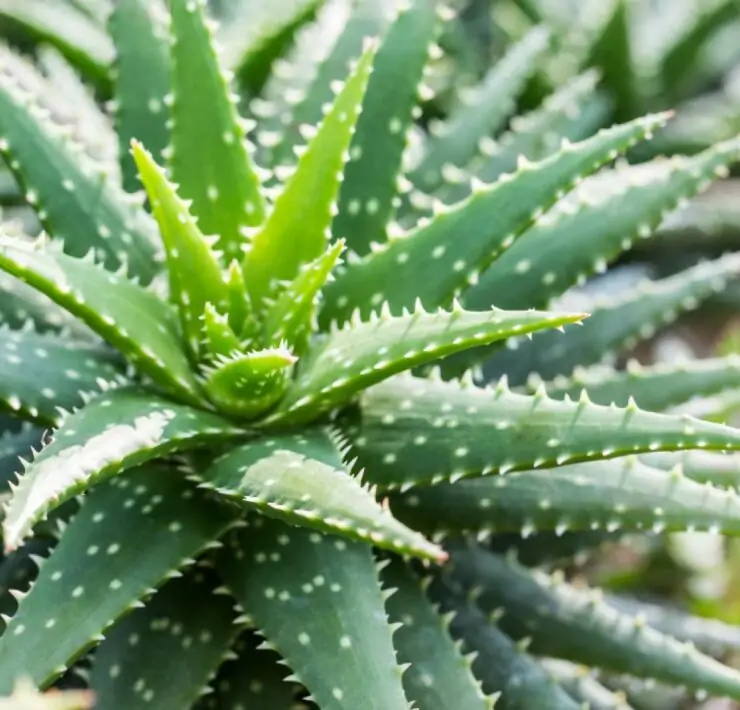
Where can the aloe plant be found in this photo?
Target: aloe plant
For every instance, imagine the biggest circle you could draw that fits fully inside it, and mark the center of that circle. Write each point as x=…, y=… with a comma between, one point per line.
x=254, y=443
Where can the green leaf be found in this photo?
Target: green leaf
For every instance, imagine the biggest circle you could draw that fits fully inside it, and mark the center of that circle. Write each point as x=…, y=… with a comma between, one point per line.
x=612, y=54
x=182, y=634
x=622, y=494
x=348, y=360
x=654, y=388
x=292, y=318
x=368, y=19
x=718, y=469
x=416, y=431
x=301, y=480
x=142, y=80
x=583, y=687
x=194, y=270
x=575, y=624
x=257, y=35
x=574, y=111
x=130, y=535
x=369, y=182
x=18, y=571
x=39, y=374
x=209, y=157
x=116, y=431
x=593, y=225
x=297, y=229
x=218, y=339
x=421, y=264
x=13, y=446
x=615, y=323
x=312, y=594
x=457, y=141
x=81, y=40
x=240, y=314
x=256, y=677
x=501, y=666
x=439, y=677
x=77, y=204
x=136, y=322
x=248, y=384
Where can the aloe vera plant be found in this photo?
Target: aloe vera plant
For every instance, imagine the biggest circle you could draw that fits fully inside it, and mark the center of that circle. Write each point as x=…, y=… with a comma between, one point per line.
x=255, y=456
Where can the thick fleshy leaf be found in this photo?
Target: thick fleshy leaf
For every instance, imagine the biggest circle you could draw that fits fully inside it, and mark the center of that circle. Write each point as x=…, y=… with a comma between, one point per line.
x=142, y=80
x=18, y=571
x=575, y=624
x=348, y=360
x=369, y=183
x=209, y=158
x=655, y=388
x=314, y=594
x=41, y=373
x=218, y=340
x=136, y=322
x=421, y=266
x=615, y=323
x=75, y=35
x=182, y=634
x=304, y=105
x=439, y=676
x=593, y=225
x=417, y=431
x=116, y=431
x=196, y=276
x=483, y=115
x=16, y=446
x=248, y=384
x=292, y=318
x=583, y=687
x=502, y=667
x=76, y=203
x=131, y=534
x=621, y=494
x=301, y=480
x=297, y=230
x=718, y=469
x=255, y=677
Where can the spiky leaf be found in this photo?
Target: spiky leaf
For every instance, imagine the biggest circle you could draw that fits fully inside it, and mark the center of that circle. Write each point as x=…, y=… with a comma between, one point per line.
x=130, y=535
x=140, y=325
x=420, y=266
x=297, y=229
x=118, y=430
x=194, y=270
x=347, y=361
x=209, y=157
x=301, y=479
x=416, y=431
x=439, y=676
x=576, y=624
x=181, y=636
x=218, y=339
x=77, y=204
x=142, y=80
x=306, y=591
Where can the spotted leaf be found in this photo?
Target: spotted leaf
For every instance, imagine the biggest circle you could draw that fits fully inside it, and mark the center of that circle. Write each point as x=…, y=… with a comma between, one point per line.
x=209, y=158
x=194, y=270
x=81, y=207
x=419, y=266
x=180, y=638
x=575, y=624
x=348, y=360
x=297, y=230
x=301, y=480
x=369, y=184
x=136, y=322
x=116, y=431
x=218, y=339
x=621, y=494
x=439, y=676
x=66, y=370
x=131, y=534
x=416, y=431
x=307, y=592
x=142, y=80
x=718, y=469
x=593, y=225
